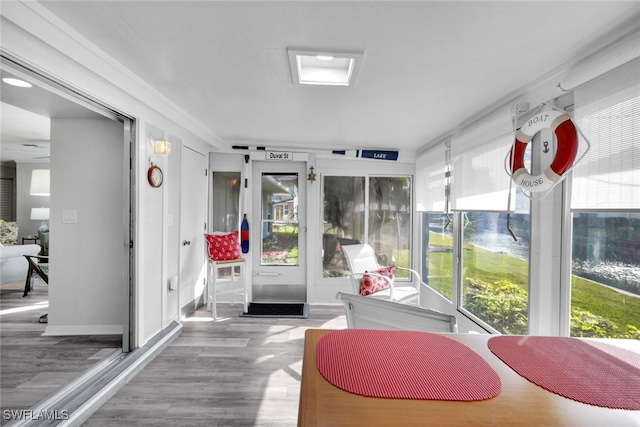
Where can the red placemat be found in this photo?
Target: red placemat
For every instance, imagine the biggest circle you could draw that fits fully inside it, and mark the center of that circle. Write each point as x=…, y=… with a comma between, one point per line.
x=404, y=365
x=589, y=372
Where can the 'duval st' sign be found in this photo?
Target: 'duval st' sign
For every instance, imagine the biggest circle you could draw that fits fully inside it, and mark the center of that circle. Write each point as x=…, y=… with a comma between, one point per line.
x=278, y=155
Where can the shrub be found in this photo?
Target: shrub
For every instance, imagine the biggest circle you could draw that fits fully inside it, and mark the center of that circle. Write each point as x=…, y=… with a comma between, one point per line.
x=503, y=305
x=585, y=324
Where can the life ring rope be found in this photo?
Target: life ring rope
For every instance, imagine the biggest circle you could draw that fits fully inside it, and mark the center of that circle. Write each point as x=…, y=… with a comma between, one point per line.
x=565, y=160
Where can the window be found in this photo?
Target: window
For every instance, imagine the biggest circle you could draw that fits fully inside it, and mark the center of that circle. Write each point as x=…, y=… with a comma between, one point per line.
x=343, y=220
x=432, y=199
x=225, y=203
x=605, y=282
x=374, y=210
x=390, y=221
x=280, y=212
x=495, y=270
x=279, y=219
x=437, y=244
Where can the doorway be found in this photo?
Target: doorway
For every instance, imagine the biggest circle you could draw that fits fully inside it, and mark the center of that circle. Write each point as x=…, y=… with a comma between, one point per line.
x=279, y=232
x=84, y=129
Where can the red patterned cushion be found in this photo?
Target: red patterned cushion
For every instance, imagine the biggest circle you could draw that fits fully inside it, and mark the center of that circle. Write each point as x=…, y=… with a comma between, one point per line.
x=223, y=246
x=371, y=284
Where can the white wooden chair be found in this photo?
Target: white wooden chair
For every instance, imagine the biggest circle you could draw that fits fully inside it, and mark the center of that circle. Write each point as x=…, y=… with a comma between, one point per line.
x=361, y=258
x=236, y=283
x=372, y=313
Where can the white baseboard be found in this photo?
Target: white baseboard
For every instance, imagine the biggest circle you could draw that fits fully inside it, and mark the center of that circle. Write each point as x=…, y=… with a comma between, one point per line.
x=57, y=330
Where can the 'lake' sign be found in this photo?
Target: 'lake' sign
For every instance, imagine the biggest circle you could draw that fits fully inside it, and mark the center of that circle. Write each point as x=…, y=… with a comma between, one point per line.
x=379, y=154
x=278, y=155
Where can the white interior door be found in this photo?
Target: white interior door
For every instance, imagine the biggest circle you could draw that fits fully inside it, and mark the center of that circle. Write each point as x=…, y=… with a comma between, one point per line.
x=193, y=206
x=278, y=231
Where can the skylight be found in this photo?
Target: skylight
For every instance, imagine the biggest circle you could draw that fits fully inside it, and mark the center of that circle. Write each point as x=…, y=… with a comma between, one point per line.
x=324, y=68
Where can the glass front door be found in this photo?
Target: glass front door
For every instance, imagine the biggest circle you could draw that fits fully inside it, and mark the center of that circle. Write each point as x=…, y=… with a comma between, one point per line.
x=279, y=255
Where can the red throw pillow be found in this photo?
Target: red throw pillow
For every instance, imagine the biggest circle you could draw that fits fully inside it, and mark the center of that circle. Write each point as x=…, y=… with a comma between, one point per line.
x=372, y=284
x=223, y=246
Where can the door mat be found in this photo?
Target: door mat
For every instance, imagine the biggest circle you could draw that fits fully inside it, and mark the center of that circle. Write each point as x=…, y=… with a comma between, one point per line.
x=290, y=310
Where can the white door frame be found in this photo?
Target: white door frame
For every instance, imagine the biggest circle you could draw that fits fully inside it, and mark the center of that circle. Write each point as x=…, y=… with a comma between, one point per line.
x=278, y=282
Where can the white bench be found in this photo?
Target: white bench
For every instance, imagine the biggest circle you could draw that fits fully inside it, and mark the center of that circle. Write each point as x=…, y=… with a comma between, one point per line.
x=372, y=313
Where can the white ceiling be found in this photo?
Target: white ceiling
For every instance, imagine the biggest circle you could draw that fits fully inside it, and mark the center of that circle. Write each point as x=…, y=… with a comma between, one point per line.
x=25, y=120
x=429, y=66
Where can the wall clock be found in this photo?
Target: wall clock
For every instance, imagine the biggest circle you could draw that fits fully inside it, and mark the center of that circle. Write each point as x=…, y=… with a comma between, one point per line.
x=155, y=176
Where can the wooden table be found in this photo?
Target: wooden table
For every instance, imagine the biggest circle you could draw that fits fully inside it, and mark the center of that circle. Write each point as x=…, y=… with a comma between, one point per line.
x=520, y=402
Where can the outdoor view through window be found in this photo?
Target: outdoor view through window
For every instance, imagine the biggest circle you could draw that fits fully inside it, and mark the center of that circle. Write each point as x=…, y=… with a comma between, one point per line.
x=605, y=282
x=388, y=220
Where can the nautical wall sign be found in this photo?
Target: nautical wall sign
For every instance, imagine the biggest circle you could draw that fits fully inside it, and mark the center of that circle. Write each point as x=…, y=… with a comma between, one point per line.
x=278, y=155
x=379, y=154
x=369, y=154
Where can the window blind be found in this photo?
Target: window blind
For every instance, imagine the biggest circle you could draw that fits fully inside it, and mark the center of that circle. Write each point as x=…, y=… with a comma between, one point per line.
x=430, y=179
x=478, y=178
x=6, y=199
x=607, y=111
x=621, y=51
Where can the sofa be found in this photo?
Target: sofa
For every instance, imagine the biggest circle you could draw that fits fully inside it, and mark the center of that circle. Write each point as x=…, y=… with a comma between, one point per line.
x=13, y=264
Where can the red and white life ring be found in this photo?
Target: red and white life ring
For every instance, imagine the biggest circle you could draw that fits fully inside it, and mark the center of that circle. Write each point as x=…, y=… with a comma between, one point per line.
x=562, y=125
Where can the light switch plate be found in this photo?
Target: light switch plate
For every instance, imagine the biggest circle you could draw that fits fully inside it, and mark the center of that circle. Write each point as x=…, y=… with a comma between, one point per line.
x=69, y=216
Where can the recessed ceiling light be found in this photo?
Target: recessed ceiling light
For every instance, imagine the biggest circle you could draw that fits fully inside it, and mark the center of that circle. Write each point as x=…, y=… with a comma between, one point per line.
x=324, y=68
x=16, y=82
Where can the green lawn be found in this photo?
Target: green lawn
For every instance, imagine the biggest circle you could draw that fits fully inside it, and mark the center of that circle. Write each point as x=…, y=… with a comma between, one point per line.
x=492, y=267
x=618, y=307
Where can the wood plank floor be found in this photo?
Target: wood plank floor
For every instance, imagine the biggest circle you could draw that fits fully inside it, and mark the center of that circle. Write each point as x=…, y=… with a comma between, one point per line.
x=33, y=366
x=236, y=371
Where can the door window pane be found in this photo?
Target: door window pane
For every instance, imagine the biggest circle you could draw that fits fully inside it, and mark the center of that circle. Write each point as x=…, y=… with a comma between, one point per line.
x=437, y=243
x=279, y=219
x=605, y=281
x=343, y=220
x=225, y=201
x=495, y=270
x=390, y=221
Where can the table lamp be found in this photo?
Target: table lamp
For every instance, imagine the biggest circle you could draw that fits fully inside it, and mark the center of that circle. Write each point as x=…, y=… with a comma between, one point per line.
x=40, y=183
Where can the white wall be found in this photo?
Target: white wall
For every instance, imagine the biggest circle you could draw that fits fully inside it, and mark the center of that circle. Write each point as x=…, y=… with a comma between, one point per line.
x=30, y=33
x=172, y=306
x=88, y=256
x=151, y=216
